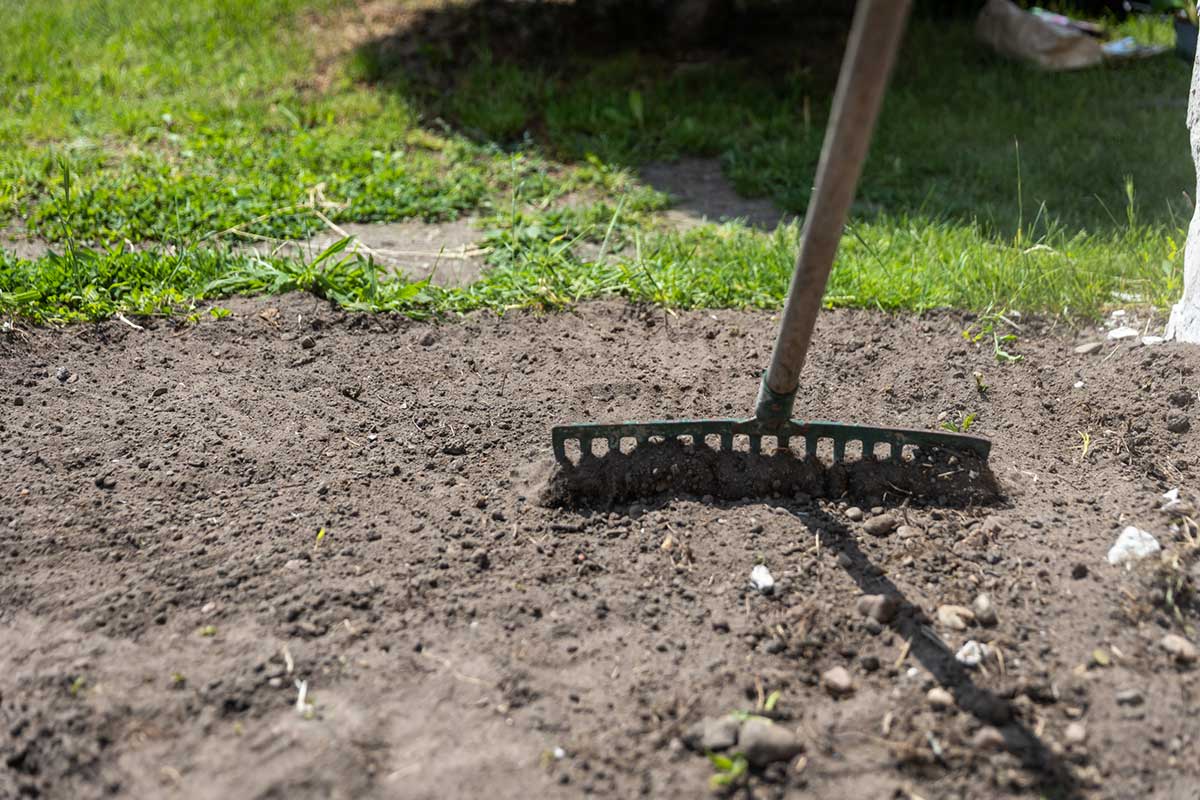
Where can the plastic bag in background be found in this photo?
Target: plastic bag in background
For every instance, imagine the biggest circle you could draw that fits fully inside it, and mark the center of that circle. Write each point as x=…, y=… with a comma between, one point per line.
x=1018, y=34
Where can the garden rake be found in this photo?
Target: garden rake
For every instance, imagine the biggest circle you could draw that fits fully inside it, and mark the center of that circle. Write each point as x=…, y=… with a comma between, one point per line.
x=874, y=39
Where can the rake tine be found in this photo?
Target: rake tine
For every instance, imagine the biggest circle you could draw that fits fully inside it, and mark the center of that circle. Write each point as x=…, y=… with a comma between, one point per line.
x=839, y=451
x=614, y=444
x=782, y=441
x=755, y=444
x=810, y=446
x=727, y=441
x=868, y=451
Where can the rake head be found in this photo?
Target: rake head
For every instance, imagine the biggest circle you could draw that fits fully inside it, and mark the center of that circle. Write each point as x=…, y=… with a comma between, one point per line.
x=725, y=432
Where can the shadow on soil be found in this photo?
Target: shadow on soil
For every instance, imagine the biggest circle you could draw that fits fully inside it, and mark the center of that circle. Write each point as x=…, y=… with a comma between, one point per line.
x=680, y=471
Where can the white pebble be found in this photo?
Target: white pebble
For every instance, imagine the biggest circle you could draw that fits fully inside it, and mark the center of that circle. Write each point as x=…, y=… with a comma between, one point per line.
x=1131, y=546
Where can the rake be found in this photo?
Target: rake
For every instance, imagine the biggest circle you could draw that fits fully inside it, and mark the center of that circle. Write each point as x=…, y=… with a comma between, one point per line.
x=874, y=39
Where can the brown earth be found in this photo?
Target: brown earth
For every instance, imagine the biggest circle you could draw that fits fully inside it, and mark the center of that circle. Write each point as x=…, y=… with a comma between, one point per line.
x=166, y=587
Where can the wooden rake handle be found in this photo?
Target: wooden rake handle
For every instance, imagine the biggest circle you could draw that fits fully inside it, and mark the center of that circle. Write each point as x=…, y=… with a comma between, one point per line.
x=874, y=40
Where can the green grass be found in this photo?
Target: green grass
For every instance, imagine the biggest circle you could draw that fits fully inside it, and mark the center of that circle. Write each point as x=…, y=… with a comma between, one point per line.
x=190, y=123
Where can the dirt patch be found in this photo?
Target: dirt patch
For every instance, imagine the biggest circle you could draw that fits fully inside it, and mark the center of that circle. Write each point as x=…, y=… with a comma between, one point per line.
x=167, y=588
x=445, y=252
x=702, y=193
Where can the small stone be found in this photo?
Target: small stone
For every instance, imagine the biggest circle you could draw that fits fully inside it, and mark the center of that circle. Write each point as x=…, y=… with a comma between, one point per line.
x=159, y=391
x=294, y=563
x=761, y=579
x=844, y=561
x=428, y=339
x=988, y=738
x=985, y=612
x=854, y=514
x=106, y=482
x=713, y=734
x=908, y=532
x=1178, y=423
x=1152, y=341
x=1121, y=333
x=763, y=742
x=939, y=699
x=971, y=654
x=869, y=663
x=837, y=681
x=1089, y=348
x=879, y=607
x=1131, y=546
x=956, y=618
x=308, y=343
x=1181, y=398
x=881, y=525
x=455, y=448
x=1079, y=571
x=1076, y=733
x=63, y=374
x=1130, y=697
x=1180, y=648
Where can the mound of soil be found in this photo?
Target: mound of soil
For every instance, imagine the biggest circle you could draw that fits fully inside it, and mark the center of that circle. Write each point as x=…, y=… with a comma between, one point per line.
x=298, y=553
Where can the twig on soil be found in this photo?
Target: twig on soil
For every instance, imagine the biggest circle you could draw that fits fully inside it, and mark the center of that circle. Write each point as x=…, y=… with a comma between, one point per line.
x=133, y=325
x=903, y=653
x=445, y=662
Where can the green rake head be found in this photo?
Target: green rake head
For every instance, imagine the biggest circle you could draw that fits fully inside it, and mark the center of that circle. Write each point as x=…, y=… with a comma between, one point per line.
x=724, y=433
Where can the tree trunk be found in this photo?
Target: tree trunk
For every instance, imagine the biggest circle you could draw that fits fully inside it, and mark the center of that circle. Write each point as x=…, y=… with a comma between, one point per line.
x=1185, y=316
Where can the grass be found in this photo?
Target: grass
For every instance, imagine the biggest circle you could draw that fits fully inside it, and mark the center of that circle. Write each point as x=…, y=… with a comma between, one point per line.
x=179, y=124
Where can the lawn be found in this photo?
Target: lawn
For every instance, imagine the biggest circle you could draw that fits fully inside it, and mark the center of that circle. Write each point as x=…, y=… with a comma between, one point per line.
x=187, y=126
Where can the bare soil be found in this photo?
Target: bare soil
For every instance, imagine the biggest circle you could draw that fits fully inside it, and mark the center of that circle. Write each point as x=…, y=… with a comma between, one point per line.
x=167, y=588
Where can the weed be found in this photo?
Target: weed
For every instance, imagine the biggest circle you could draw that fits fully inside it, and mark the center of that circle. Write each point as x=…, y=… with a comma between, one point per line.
x=961, y=426
x=730, y=770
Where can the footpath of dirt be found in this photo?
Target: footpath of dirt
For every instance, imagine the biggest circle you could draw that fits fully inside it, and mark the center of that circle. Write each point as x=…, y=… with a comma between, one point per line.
x=175, y=624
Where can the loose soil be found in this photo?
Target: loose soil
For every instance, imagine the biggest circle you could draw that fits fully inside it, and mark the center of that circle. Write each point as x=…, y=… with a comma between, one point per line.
x=168, y=588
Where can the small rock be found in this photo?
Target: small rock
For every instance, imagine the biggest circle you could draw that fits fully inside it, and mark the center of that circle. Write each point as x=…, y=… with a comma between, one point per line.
x=159, y=391
x=869, y=663
x=1131, y=546
x=1079, y=571
x=939, y=699
x=1181, y=398
x=106, y=482
x=455, y=448
x=1152, y=341
x=428, y=339
x=988, y=738
x=308, y=343
x=1178, y=423
x=881, y=525
x=1088, y=348
x=1121, y=333
x=956, y=618
x=971, y=654
x=879, y=607
x=63, y=374
x=1076, y=733
x=985, y=612
x=854, y=514
x=294, y=563
x=1130, y=697
x=713, y=734
x=908, y=532
x=1180, y=648
x=844, y=561
x=761, y=579
x=837, y=681
x=763, y=742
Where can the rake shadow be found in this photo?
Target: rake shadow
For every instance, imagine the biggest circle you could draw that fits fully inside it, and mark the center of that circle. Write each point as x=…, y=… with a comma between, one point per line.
x=674, y=468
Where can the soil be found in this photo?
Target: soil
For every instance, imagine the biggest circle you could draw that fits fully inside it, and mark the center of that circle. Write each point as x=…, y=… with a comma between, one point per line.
x=701, y=193
x=168, y=587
